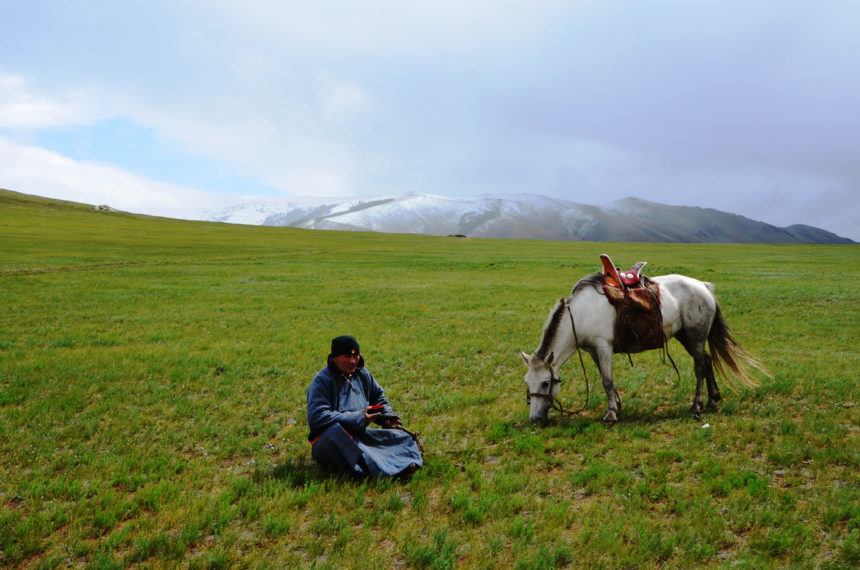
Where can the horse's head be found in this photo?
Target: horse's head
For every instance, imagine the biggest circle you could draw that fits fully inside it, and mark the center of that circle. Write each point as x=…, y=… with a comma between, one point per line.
x=542, y=385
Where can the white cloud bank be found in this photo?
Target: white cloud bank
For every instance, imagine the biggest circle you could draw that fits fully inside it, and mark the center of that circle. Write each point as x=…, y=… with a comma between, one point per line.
x=32, y=170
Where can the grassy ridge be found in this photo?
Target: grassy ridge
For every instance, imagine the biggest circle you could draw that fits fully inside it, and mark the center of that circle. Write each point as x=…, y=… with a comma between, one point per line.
x=152, y=378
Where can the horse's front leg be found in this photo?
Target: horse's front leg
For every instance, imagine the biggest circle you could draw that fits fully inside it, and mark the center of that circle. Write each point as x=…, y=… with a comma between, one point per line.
x=603, y=358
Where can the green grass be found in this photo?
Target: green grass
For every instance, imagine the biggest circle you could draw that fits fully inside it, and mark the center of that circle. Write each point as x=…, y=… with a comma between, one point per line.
x=152, y=380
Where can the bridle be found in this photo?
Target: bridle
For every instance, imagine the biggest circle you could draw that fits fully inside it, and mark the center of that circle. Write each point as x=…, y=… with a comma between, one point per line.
x=553, y=380
x=555, y=403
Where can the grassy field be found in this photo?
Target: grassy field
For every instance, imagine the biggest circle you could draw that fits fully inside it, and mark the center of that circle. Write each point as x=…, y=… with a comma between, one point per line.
x=152, y=413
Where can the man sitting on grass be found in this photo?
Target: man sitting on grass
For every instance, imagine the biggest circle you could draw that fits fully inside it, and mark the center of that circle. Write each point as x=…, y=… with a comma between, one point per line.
x=343, y=399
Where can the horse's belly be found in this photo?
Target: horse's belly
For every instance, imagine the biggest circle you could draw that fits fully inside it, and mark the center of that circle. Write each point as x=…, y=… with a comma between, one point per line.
x=670, y=313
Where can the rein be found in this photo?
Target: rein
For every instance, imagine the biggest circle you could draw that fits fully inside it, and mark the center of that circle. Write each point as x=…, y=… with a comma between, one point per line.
x=556, y=403
x=581, y=364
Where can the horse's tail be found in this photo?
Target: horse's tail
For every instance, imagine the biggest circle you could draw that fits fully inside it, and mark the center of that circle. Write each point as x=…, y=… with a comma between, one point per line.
x=726, y=351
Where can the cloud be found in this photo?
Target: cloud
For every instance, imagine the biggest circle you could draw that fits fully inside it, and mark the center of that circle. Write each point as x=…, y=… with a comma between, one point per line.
x=385, y=28
x=340, y=99
x=32, y=170
x=22, y=108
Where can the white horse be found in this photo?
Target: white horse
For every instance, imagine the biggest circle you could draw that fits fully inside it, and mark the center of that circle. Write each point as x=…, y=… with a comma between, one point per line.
x=585, y=319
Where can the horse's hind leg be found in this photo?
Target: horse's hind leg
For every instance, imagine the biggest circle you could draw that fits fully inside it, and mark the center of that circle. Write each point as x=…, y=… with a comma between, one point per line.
x=704, y=373
x=603, y=358
x=714, y=396
x=704, y=368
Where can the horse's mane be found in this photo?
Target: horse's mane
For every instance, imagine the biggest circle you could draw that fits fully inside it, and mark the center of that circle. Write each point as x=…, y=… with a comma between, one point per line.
x=550, y=329
x=594, y=280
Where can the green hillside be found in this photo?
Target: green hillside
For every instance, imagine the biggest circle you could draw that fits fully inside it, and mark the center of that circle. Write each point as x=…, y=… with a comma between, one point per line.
x=152, y=379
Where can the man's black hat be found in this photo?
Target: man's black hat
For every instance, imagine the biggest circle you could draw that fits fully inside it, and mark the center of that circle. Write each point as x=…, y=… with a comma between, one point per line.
x=344, y=344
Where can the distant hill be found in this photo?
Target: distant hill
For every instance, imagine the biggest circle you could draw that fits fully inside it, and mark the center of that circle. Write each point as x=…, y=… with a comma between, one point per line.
x=521, y=216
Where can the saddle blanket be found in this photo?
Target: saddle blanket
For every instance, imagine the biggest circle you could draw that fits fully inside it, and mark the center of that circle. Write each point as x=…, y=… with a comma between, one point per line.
x=639, y=321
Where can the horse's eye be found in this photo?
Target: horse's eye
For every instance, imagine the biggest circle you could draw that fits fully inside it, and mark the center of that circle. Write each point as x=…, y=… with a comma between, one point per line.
x=545, y=384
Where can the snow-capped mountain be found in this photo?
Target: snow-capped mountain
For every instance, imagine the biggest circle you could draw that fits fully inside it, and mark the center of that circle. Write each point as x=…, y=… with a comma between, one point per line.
x=521, y=216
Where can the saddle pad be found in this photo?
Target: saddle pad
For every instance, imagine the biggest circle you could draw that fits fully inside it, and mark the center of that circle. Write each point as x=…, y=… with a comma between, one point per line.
x=639, y=321
x=636, y=331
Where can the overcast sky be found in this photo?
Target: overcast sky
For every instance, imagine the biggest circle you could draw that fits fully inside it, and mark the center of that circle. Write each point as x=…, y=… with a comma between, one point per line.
x=172, y=107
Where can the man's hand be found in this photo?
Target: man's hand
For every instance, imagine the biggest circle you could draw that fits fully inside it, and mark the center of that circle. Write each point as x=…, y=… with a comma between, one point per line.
x=393, y=424
x=371, y=413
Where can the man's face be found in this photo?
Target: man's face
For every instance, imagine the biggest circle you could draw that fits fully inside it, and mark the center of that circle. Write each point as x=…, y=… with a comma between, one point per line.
x=346, y=363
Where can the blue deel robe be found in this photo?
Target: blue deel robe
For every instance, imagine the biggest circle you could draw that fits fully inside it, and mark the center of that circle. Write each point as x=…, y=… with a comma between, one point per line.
x=338, y=432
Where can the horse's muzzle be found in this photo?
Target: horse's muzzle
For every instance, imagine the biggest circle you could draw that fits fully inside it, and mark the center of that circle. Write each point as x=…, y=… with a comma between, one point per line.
x=542, y=415
x=539, y=418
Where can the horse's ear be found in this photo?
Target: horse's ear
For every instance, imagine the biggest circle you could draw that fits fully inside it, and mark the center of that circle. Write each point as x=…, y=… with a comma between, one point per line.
x=526, y=357
x=549, y=358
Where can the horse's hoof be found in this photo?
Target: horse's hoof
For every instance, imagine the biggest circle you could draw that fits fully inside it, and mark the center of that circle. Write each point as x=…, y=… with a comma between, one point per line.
x=714, y=405
x=610, y=418
x=696, y=411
